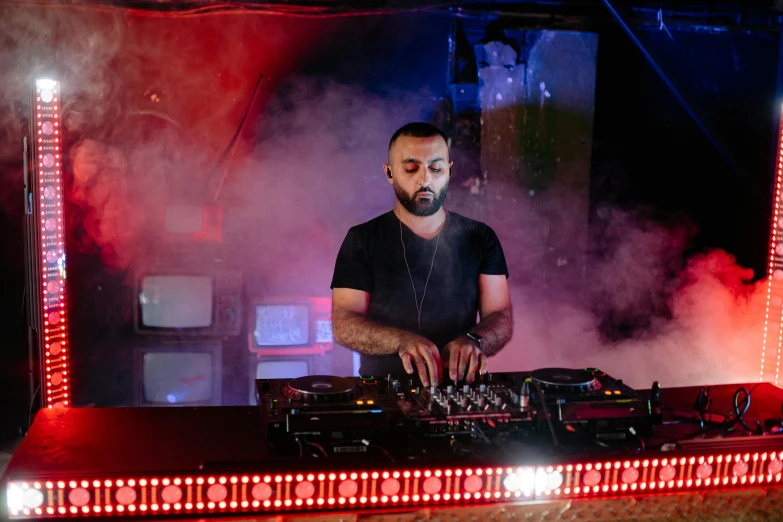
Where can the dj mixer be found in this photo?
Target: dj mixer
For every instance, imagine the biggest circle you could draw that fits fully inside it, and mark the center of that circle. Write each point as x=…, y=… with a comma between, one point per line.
x=551, y=405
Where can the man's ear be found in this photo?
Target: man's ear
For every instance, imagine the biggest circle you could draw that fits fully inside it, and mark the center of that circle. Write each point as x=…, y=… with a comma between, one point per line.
x=387, y=170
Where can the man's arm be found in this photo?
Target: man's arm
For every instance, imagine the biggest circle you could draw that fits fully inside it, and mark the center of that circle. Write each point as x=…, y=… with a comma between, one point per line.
x=351, y=328
x=497, y=322
x=495, y=329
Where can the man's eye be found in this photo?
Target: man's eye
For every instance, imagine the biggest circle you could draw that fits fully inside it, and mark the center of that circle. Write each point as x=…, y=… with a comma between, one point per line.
x=411, y=171
x=438, y=169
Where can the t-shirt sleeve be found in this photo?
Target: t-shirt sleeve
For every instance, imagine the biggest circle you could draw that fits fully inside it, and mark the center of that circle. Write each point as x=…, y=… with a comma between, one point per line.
x=493, y=261
x=352, y=268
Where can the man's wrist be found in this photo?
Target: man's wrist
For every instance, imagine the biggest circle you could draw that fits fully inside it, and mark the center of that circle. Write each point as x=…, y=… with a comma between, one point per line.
x=477, y=340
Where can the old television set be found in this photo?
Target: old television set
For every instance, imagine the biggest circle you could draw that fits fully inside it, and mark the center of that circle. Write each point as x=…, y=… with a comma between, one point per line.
x=290, y=326
x=290, y=337
x=178, y=302
x=188, y=222
x=178, y=374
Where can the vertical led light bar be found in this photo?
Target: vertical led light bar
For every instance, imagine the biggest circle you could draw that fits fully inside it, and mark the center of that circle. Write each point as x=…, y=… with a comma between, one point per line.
x=773, y=314
x=47, y=206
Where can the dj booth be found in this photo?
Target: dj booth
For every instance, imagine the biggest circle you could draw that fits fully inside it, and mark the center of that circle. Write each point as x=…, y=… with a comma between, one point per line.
x=548, y=444
x=217, y=461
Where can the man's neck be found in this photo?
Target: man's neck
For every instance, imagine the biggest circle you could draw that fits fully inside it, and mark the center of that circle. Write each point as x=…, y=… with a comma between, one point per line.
x=423, y=226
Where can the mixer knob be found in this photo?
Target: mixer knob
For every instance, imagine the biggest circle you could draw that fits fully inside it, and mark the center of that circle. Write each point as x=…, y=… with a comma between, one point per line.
x=498, y=401
x=483, y=388
x=466, y=388
x=434, y=391
x=449, y=389
x=480, y=401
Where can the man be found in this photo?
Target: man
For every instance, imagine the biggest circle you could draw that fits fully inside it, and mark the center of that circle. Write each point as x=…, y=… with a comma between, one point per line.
x=408, y=284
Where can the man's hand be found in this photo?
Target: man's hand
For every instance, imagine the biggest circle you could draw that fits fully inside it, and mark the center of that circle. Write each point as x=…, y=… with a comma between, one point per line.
x=416, y=349
x=463, y=359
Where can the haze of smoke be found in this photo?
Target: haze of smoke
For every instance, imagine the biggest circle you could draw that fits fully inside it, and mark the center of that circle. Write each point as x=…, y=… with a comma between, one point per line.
x=315, y=172
x=313, y=175
x=695, y=321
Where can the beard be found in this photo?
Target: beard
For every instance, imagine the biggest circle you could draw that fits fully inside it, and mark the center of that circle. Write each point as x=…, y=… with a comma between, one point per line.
x=421, y=207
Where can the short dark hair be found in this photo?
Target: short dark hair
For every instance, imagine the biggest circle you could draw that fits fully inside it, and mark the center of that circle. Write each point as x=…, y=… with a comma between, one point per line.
x=418, y=129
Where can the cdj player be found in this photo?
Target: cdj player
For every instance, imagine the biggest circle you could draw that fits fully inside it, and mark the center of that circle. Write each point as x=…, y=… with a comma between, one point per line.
x=551, y=405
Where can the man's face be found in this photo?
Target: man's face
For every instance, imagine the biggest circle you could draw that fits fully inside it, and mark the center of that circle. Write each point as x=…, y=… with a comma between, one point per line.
x=420, y=173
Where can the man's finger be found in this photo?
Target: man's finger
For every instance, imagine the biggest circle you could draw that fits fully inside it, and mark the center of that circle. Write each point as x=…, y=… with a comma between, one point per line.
x=421, y=367
x=438, y=362
x=406, y=363
x=425, y=352
x=453, y=363
x=472, y=366
x=464, y=358
x=484, y=364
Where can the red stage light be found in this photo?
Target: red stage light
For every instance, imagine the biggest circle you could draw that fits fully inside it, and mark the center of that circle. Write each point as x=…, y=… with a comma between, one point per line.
x=49, y=210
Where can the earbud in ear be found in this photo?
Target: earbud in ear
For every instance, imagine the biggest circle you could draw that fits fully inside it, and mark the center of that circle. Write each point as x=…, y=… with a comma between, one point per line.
x=388, y=173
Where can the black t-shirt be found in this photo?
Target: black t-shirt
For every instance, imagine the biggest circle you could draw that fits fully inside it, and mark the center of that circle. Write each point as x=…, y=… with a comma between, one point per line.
x=371, y=259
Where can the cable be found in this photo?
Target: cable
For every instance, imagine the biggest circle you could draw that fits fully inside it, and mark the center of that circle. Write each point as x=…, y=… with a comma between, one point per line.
x=230, y=146
x=546, y=412
x=183, y=9
x=318, y=447
x=736, y=408
x=375, y=446
x=476, y=428
x=30, y=410
x=639, y=437
x=736, y=416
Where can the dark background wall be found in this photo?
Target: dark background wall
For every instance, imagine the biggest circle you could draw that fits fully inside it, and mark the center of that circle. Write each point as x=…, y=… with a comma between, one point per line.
x=658, y=287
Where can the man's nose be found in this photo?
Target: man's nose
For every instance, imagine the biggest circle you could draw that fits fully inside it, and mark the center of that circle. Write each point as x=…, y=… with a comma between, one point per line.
x=423, y=178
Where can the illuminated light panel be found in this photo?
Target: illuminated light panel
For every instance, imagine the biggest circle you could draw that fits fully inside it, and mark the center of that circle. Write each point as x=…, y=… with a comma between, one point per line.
x=49, y=497
x=47, y=200
x=773, y=314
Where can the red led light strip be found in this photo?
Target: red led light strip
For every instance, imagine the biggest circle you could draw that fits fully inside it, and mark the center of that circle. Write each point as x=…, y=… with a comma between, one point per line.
x=320, y=491
x=49, y=210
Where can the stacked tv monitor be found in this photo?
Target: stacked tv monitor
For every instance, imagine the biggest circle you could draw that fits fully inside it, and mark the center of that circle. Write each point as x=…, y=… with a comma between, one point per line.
x=182, y=318
x=290, y=337
x=189, y=324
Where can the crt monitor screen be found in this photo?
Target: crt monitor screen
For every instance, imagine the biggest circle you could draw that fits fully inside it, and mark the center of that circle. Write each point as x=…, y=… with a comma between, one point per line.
x=176, y=301
x=282, y=369
x=282, y=324
x=177, y=377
